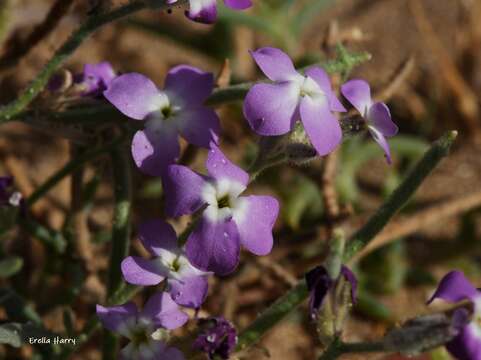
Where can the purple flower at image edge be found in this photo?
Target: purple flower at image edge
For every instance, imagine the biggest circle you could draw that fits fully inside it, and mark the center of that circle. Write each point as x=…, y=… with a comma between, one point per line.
x=178, y=109
x=320, y=283
x=95, y=78
x=228, y=221
x=186, y=284
x=453, y=288
x=376, y=114
x=205, y=11
x=7, y=196
x=218, y=339
x=273, y=108
x=145, y=329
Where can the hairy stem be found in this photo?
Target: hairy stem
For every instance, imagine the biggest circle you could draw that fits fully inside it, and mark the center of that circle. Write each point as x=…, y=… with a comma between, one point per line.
x=70, y=167
x=283, y=306
x=120, y=235
x=401, y=195
x=92, y=23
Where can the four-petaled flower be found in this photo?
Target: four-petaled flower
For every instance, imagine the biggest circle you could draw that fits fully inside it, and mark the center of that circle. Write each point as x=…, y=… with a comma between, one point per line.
x=186, y=284
x=218, y=339
x=228, y=220
x=177, y=109
x=454, y=287
x=145, y=329
x=376, y=114
x=205, y=11
x=320, y=284
x=95, y=78
x=273, y=109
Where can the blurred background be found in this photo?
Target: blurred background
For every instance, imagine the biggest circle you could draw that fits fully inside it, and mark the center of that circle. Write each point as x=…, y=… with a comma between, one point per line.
x=426, y=64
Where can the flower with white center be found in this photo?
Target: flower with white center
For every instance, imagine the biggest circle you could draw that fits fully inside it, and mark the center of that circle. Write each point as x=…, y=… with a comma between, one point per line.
x=145, y=329
x=186, y=284
x=228, y=220
x=273, y=109
x=178, y=109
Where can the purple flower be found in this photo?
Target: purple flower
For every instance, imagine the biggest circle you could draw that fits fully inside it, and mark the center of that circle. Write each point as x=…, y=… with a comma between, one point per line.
x=186, y=284
x=273, y=109
x=205, y=11
x=376, y=115
x=7, y=196
x=228, y=221
x=218, y=339
x=145, y=329
x=454, y=287
x=319, y=284
x=177, y=109
x=95, y=78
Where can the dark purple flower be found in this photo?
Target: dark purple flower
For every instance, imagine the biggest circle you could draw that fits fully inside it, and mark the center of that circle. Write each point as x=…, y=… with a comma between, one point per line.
x=8, y=197
x=186, y=284
x=145, y=329
x=95, y=78
x=376, y=114
x=218, y=339
x=273, y=109
x=228, y=221
x=454, y=287
x=177, y=109
x=320, y=283
x=205, y=11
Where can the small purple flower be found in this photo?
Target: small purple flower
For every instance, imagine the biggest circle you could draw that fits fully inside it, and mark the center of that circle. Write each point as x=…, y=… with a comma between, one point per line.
x=454, y=287
x=95, y=78
x=177, y=109
x=273, y=109
x=205, y=11
x=186, y=284
x=376, y=115
x=7, y=196
x=319, y=284
x=228, y=221
x=146, y=329
x=218, y=339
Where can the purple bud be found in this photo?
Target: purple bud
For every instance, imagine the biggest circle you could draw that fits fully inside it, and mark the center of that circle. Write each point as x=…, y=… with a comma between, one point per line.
x=319, y=284
x=218, y=338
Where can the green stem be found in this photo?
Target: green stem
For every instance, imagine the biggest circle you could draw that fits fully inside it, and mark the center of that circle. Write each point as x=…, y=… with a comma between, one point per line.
x=283, y=306
x=52, y=239
x=401, y=195
x=67, y=49
x=272, y=315
x=120, y=235
x=219, y=96
x=121, y=222
x=70, y=167
x=337, y=348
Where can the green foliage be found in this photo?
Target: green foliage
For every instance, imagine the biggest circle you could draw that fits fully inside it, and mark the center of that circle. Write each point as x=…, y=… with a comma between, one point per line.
x=16, y=334
x=10, y=266
x=300, y=197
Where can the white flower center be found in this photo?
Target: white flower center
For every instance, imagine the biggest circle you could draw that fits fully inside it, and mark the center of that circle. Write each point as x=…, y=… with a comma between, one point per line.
x=308, y=87
x=222, y=196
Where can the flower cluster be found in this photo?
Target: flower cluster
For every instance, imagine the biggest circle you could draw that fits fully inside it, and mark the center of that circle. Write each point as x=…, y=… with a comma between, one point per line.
x=273, y=108
x=224, y=218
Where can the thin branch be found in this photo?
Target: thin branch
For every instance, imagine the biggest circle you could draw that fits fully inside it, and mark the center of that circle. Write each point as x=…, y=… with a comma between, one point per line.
x=93, y=23
x=294, y=297
x=41, y=31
